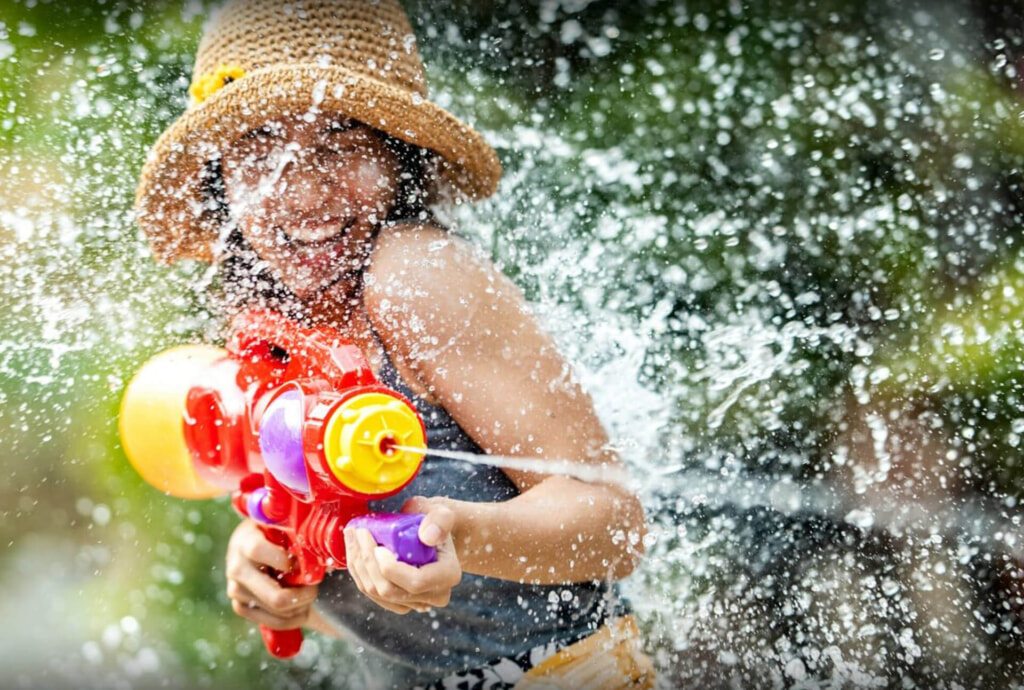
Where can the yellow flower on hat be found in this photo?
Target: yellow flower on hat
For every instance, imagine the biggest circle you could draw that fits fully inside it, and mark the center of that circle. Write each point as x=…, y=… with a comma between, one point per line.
x=209, y=83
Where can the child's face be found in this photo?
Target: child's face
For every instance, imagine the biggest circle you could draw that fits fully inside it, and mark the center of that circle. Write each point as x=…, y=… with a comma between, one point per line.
x=308, y=196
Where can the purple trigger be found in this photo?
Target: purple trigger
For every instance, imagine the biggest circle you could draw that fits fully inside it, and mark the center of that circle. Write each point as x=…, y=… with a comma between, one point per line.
x=399, y=533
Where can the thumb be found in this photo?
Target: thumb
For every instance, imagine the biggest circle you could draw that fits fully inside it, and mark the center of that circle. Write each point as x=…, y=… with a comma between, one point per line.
x=438, y=521
x=437, y=525
x=418, y=504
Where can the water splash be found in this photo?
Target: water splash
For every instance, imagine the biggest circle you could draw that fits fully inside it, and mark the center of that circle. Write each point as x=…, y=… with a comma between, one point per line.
x=781, y=248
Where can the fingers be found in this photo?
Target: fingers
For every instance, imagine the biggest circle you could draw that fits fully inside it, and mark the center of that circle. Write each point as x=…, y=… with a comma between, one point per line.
x=366, y=581
x=249, y=576
x=255, y=546
x=378, y=584
x=272, y=621
x=256, y=595
x=279, y=611
x=430, y=584
x=267, y=594
x=399, y=586
x=437, y=525
x=438, y=521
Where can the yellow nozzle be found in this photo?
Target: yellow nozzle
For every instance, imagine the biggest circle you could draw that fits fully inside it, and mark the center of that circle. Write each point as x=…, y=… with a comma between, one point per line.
x=360, y=443
x=151, y=419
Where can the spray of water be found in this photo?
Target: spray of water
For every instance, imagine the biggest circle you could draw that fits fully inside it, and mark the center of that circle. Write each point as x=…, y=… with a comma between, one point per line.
x=567, y=468
x=781, y=247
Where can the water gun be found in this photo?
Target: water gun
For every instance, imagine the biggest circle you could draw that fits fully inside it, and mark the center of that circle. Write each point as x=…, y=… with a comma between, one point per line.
x=292, y=422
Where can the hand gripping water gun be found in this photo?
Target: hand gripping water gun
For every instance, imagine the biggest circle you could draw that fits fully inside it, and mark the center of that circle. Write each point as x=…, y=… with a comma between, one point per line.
x=293, y=422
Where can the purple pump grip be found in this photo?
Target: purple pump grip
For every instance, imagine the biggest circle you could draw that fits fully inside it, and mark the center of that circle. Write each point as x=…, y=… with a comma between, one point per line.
x=399, y=533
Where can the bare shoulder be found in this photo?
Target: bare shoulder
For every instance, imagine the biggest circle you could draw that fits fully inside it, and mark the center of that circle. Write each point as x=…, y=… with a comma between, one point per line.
x=411, y=237
x=427, y=270
x=465, y=332
x=432, y=295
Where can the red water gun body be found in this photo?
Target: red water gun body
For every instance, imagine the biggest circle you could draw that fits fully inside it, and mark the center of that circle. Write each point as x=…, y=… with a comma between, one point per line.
x=293, y=422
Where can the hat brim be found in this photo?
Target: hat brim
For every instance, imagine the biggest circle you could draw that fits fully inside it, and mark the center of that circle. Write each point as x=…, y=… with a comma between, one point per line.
x=170, y=203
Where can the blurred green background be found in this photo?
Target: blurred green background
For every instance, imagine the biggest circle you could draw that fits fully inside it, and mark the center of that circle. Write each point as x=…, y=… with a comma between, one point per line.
x=782, y=239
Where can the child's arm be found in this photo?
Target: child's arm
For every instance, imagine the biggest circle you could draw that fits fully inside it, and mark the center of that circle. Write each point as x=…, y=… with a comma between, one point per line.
x=553, y=533
x=464, y=329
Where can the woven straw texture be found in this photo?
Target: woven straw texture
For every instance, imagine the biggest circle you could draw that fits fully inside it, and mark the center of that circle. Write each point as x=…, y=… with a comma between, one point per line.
x=356, y=57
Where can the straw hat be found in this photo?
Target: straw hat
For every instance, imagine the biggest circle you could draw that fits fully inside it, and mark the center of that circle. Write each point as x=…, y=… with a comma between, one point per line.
x=264, y=59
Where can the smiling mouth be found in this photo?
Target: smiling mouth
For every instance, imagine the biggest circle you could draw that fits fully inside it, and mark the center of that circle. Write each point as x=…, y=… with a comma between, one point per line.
x=325, y=242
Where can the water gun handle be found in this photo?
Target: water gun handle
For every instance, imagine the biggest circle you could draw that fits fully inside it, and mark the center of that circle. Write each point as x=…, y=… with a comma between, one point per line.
x=283, y=644
x=399, y=533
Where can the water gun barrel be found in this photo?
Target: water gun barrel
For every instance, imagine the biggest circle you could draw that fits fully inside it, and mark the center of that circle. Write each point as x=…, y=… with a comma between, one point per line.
x=360, y=443
x=366, y=442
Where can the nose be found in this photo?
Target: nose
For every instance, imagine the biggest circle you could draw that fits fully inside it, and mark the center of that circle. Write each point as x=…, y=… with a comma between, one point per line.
x=296, y=183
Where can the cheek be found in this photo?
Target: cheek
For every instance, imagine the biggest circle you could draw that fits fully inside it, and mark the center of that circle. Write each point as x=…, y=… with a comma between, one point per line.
x=375, y=182
x=258, y=234
x=249, y=211
x=240, y=202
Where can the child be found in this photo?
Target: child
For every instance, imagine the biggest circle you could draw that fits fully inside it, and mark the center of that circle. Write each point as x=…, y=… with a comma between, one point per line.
x=303, y=169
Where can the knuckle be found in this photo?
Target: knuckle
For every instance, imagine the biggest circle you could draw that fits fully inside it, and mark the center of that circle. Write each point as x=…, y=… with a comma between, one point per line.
x=280, y=600
x=244, y=539
x=277, y=555
x=416, y=584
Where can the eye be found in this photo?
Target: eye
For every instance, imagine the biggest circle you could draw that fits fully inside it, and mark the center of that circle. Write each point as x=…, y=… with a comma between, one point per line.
x=254, y=139
x=332, y=147
x=259, y=135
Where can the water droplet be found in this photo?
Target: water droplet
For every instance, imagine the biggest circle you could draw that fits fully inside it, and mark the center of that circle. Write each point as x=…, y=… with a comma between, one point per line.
x=319, y=91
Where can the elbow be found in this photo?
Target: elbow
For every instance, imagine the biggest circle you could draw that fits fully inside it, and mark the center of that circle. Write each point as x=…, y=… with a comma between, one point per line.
x=632, y=533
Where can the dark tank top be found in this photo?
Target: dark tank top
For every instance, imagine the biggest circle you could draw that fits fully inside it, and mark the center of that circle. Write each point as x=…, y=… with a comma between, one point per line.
x=487, y=618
